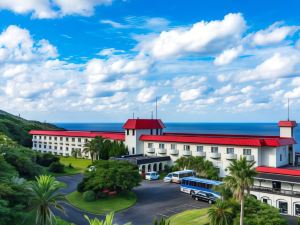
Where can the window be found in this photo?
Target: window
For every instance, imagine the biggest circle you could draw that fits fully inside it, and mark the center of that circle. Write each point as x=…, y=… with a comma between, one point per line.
x=79, y=139
x=34, y=145
x=45, y=137
x=150, y=145
x=50, y=138
x=67, y=148
x=283, y=207
x=133, y=151
x=40, y=137
x=214, y=149
x=61, y=138
x=45, y=146
x=61, y=148
x=280, y=157
x=50, y=147
x=151, y=131
x=133, y=131
x=156, y=131
x=265, y=200
x=161, y=145
x=173, y=146
x=276, y=185
x=67, y=139
x=55, y=147
x=55, y=138
x=297, y=209
x=73, y=139
x=199, y=148
x=247, y=151
x=40, y=146
x=86, y=140
x=186, y=147
x=127, y=132
x=230, y=150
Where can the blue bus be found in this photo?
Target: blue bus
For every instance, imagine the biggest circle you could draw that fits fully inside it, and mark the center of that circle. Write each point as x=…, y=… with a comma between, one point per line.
x=192, y=185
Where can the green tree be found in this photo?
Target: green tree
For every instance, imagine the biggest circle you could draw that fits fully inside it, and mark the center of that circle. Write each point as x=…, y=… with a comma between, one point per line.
x=107, y=221
x=44, y=191
x=220, y=213
x=240, y=178
x=117, y=148
x=76, y=153
x=90, y=147
x=111, y=174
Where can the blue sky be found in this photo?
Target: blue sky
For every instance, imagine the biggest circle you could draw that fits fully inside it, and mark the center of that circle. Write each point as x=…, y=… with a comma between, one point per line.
x=102, y=60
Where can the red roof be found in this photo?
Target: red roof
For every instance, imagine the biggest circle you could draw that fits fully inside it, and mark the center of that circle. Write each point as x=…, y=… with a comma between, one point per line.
x=143, y=124
x=283, y=171
x=118, y=136
x=288, y=123
x=236, y=140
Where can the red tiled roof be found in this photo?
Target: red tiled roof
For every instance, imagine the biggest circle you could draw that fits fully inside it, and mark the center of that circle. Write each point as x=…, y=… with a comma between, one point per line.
x=118, y=136
x=283, y=171
x=235, y=140
x=291, y=123
x=143, y=124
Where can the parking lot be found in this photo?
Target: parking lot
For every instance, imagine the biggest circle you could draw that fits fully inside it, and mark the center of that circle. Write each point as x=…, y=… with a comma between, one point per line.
x=157, y=199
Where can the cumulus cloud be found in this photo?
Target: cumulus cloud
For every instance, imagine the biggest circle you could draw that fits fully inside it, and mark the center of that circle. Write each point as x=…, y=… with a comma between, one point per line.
x=278, y=65
x=228, y=55
x=273, y=34
x=45, y=9
x=202, y=38
x=147, y=94
x=191, y=94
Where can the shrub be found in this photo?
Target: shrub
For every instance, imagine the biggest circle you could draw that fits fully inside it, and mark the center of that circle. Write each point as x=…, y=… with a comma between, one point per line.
x=70, y=165
x=56, y=167
x=46, y=159
x=89, y=196
x=80, y=187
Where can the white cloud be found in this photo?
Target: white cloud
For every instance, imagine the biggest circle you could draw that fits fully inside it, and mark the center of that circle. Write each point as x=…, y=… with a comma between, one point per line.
x=165, y=99
x=45, y=9
x=191, y=94
x=273, y=34
x=276, y=66
x=228, y=55
x=247, y=89
x=224, y=90
x=113, y=24
x=185, y=82
x=295, y=93
x=202, y=38
x=146, y=94
x=296, y=81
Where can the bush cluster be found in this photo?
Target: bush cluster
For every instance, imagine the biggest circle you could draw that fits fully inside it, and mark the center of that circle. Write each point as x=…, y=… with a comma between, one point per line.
x=89, y=196
x=56, y=167
x=46, y=159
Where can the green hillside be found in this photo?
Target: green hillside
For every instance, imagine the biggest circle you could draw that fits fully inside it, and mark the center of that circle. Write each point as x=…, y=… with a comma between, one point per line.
x=17, y=128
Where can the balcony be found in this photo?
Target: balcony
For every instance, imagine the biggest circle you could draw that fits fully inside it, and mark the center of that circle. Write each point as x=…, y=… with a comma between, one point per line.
x=201, y=154
x=174, y=152
x=249, y=158
x=151, y=150
x=275, y=191
x=162, y=151
x=215, y=155
x=187, y=152
x=231, y=156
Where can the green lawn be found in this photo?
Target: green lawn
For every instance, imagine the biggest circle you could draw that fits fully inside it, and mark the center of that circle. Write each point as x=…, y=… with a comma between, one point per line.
x=190, y=217
x=103, y=205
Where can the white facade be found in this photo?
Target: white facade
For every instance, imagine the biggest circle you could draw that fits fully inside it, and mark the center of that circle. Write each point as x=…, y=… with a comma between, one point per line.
x=59, y=145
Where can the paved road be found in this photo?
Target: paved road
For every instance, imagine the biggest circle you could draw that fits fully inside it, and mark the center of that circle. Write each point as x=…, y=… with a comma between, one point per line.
x=155, y=199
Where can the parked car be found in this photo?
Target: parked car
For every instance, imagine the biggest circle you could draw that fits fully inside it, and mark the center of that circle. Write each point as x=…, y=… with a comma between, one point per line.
x=204, y=196
x=176, y=177
x=152, y=176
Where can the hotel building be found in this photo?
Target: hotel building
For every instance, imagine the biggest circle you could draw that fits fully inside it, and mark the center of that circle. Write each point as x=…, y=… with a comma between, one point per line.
x=277, y=182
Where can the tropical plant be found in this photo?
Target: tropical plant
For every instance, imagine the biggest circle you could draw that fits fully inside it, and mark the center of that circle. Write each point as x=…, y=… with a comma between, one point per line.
x=220, y=213
x=76, y=153
x=240, y=178
x=162, y=221
x=45, y=195
x=200, y=165
x=56, y=167
x=107, y=221
x=90, y=147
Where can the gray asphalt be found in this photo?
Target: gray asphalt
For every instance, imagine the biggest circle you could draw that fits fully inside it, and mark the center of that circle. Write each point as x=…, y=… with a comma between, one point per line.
x=155, y=200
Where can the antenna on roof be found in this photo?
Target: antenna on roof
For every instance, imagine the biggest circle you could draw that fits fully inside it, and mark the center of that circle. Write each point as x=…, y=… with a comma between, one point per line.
x=132, y=115
x=156, y=108
x=288, y=109
x=152, y=115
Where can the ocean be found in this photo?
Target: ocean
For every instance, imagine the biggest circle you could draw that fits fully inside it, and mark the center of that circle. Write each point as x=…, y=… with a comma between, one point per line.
x=207, y=128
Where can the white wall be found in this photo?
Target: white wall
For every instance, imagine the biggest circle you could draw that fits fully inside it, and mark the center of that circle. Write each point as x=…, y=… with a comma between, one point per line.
x=286, y=132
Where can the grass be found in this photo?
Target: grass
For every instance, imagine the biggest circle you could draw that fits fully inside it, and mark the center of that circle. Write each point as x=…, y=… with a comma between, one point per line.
x=103, y=205
x=190, y=217
x=79, y=166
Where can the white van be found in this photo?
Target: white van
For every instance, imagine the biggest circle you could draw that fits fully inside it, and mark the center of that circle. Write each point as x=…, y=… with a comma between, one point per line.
x=176, y=177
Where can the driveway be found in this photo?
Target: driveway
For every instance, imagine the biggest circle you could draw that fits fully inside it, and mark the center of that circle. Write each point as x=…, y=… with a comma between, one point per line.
x=155, y=199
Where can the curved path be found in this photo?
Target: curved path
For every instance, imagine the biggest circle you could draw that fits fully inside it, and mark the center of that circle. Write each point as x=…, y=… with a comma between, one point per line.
x=155, y=199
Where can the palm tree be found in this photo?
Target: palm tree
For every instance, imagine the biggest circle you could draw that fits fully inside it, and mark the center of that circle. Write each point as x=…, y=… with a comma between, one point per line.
x=108, y=220
x=45, y=196
x=76, y=152
x=220, y=213
x=240, y=178
x=90, y=147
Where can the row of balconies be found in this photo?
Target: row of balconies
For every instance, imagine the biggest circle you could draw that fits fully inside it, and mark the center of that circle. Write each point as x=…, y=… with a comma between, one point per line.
x=213, y=155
